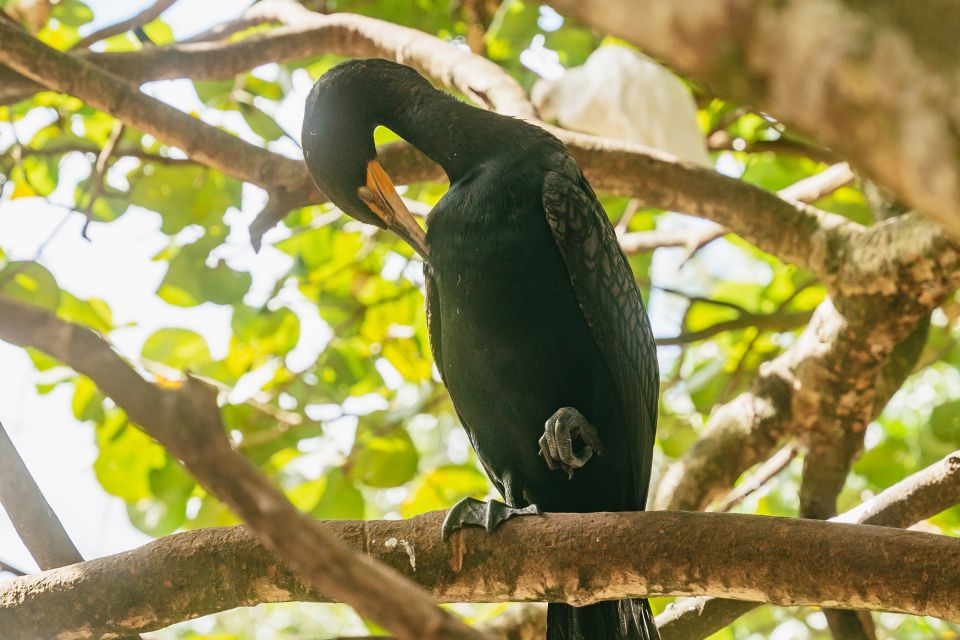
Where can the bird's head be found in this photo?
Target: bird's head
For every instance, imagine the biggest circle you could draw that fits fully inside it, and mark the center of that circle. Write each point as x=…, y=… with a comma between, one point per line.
x=343, y=109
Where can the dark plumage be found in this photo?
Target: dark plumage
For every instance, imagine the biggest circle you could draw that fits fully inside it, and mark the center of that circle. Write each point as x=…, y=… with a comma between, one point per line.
x=532, y=306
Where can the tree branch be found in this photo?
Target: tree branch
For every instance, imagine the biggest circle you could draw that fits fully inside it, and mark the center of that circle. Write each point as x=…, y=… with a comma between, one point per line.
x=913, y=499
x=879, y=79
x=819, y=185
x=35, y=521
x=186, y=420
x=149, y=14
x=765, y=321
x=638, y=554
x=107, y=92
x=795, y=232
x=767, y=471
x=888, y=279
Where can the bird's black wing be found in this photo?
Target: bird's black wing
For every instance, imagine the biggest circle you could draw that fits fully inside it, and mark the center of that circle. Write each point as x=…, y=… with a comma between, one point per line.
x=609, y=298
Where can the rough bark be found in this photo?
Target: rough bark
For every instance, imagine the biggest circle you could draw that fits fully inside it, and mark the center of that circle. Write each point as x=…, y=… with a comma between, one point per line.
x=631, y=555
x=913, y=499
x=186, y=420
x=876, y=81
x=795, y=231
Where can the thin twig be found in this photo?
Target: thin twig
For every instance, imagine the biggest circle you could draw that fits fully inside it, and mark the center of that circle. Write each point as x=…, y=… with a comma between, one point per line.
x=318, y=557
x=119, y=152
x=819, y=185
x=767, y=471
x=100, y=173
x=769, y=321
x=146, y=16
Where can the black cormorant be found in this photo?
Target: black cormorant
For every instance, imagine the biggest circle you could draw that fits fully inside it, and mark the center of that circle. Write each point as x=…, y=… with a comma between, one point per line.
x=535, y=317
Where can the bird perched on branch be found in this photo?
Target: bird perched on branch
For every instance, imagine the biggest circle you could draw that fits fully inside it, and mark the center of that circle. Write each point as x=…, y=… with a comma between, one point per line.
x=535, y=318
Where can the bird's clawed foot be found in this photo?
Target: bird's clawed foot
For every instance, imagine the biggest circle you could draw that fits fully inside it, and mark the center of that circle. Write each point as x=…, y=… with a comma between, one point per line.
x=569, y=441
x=476, y=513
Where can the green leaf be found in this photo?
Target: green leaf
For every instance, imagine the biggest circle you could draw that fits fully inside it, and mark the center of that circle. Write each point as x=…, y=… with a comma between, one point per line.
x=383, y=458
x=73, y=13
x=93, y=313
x=339, y=498
x=264, y=333
x=177, y=348
x=215, y=93
x=408, y=359
x=264, y=88
x=166, y=510
x=87, y=400
x=42, y=173
x=261, y=124
x=31, y=283
x=189, y=281
x=945, y=422
x=160, y=32
x=185, y=195
x=156, y=517
x=127, y=457
x=885, y=464
x=443, y=487
x=213, y=513
x=512, y=28
x=42, y=361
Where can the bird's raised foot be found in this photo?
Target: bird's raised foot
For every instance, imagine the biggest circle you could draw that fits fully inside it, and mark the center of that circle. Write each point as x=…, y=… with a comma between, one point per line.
x=477, y=513
x=569, y=441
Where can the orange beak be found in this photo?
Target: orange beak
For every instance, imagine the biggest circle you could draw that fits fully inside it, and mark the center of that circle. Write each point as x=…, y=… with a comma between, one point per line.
x=381, y=196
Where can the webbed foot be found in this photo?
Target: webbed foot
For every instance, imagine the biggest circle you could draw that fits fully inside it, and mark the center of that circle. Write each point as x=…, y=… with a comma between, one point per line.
x=476, y=513
x=569, y=441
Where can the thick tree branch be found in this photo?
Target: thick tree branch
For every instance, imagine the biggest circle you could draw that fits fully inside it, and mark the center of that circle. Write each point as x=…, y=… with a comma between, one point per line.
x=795, y=232
x=37, y=525
x=186, y=420
x=913, y=499
x=107, y=92
x=879, y=78
x=888, y=279
x=636, y=554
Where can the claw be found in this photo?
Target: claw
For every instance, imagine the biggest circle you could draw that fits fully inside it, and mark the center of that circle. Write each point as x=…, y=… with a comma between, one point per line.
x=476, y=513
x=563, y=432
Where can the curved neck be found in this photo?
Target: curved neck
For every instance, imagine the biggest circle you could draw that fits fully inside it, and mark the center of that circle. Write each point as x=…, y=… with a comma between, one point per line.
x=455, y=135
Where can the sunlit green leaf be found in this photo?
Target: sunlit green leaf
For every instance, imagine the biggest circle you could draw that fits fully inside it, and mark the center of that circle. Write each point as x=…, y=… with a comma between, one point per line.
x=443, y=487
x=176, y=348
x=339, y=499
x=31, y=283
x=383, y=458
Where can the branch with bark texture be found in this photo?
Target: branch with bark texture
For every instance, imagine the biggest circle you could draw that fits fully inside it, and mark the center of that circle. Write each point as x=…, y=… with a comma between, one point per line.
x=36, y=524
x=186, y=420
x=796, y=232
x=915, y=498
x=632, y=555
x=879, y=79
x=887, y=280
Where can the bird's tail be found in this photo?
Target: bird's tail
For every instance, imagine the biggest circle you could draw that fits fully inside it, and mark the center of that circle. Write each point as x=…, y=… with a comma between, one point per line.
x=611, y=620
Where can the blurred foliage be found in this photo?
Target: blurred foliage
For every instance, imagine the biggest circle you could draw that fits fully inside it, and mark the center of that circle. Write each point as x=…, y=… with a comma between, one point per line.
x=363, y=428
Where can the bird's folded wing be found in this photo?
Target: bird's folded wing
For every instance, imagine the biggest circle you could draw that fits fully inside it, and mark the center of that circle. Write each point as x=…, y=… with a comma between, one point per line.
x=608, y=295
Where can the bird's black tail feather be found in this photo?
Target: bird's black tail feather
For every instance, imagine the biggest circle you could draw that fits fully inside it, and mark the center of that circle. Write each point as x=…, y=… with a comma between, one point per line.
x=611, y=620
